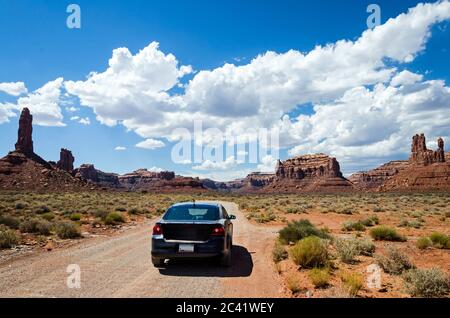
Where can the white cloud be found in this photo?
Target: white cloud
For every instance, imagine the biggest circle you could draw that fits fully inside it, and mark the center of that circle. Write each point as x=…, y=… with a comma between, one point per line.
x=85, y=121
x=72, y=109
x=7, y=111
x=406, y=78
x=267, y=164
x=14, y=89
x=150, y=144
x=44, y=104
x=229, y=163
x=155, y=169
x=120, y=148
x=74, y=118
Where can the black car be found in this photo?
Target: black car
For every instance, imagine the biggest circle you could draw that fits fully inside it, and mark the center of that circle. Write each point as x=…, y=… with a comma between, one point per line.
x=192, y=230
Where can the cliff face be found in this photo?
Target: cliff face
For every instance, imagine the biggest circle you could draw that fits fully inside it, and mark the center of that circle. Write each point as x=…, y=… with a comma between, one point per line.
x=89, y=173
x=425, y=170
x=307, y=173
x=373, y=179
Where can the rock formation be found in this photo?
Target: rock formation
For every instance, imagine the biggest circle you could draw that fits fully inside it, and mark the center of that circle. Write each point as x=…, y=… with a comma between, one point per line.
x=426, y=170
x=22, y=169
x=423, y=156
x=88, y=172
x=307, y=173
x=66, y=160
x=373, y=179
x=142, y=179
x=24, y=142
x=308, y=166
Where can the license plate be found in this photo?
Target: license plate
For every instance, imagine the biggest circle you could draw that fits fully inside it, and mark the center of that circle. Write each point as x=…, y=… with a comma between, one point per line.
x=186, y=248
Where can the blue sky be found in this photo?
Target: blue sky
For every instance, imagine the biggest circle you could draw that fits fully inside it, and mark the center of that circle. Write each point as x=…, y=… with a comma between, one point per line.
x=37, y=48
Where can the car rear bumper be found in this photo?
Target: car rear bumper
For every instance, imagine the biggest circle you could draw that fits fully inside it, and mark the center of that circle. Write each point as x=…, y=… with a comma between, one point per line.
x=170, y=249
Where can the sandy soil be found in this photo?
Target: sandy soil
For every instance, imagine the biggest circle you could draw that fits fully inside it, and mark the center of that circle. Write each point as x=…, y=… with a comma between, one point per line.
x=120, y=266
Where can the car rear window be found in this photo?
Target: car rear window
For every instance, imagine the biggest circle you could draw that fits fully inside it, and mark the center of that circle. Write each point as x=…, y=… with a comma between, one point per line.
x=192, y=213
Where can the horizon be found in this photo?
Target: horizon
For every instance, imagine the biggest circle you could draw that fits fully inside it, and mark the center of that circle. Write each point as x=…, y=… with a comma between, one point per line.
x=114, y=92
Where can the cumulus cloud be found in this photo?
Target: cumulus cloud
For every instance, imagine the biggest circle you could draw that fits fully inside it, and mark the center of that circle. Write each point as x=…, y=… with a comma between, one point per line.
x=120, y=148
x=14, y=89
x=44, y=104
x=85, y=121
x=7, y=111
x=150, y=144
x=208, y=164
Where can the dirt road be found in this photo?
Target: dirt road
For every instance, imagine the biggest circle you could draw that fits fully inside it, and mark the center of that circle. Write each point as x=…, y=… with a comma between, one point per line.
x=120, y=266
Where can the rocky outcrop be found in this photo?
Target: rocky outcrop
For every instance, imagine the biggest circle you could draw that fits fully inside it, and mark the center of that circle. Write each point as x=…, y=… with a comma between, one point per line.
x=88, y=172
x=307, y=173
x=142, y=179
x=423, y=156
x=258, y=179
x=308, y=166
x=66, y=160
x=426, y=170
x=22, y=169
x=24, y=142
x=373, y=179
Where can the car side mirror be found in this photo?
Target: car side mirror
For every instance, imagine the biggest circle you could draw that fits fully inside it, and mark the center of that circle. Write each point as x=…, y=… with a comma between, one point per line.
x=232, y=217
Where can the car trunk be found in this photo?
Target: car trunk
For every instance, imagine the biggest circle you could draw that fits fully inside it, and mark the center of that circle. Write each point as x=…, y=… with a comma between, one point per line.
x=187, y=231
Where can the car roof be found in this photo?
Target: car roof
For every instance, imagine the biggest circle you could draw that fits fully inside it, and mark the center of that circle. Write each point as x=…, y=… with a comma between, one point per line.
x=215, y=204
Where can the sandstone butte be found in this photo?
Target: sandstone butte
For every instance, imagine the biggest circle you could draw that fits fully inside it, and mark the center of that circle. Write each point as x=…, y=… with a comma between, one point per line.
x=425, y=170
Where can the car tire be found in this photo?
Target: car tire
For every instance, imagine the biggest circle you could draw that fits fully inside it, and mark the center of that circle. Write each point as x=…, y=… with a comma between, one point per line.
x=225, y=259
x=157, y=262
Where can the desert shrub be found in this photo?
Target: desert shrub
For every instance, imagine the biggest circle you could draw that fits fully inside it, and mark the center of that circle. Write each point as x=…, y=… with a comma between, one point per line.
x=10, y=221
x=75, y=217
x=120, y=209
x=365, y=247
x=384, y=233
x=8, y=238
x=395, y=262
x=297, y=230
x=102, y=214
x=20, y=205
x=423, y=242
x=67, y=230
x=378, y=209
x=48, y=216
x=42, y=227
x=293, y=284
x=427, y=283
x=114, y=218
x=371, y=221
x=310, y=252
x=346, y=210
x=266, y=217
x=134, y=211
x=42, y=209
x=279, y=253
x=413, y=223
x=347, y=249
x=440, y=240
x=319, y=277
x=293, y=210
x=353, y=226
x=352, y=282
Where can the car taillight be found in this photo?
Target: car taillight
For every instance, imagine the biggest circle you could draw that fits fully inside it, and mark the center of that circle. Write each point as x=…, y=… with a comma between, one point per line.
x=218, y=231
x=157, y=229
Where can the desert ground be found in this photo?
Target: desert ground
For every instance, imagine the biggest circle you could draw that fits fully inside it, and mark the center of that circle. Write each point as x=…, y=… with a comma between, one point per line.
x=108, y=235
